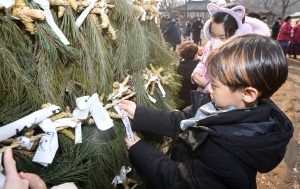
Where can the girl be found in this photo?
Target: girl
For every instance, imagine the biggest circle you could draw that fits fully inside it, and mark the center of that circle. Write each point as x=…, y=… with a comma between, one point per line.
x=284, y=35
x=187, y=32
x=294, y=47
x=235, y=133
x=188, y=51
x=223, y=24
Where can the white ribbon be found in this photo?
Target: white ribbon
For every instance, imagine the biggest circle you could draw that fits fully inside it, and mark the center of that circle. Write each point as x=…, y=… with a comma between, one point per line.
x=44, y=4
x=78, y=133
x=125, y=121
x=84, y=14
x=9, y=130
x=68, y=185
x=103, y=6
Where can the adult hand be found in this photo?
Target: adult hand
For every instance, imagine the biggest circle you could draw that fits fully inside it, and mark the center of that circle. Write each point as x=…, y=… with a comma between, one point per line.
x=12, y=180
x=130, y=143
x=19, y=181
x=35, y=182
x=129, y=108
x=201, y=81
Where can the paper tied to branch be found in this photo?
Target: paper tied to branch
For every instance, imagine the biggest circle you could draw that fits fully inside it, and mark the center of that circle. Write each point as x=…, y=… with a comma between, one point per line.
x=157, y=81
x=126, y=122
x=84, y=14
x=45, y=5
x=71, y=123
x=36, y=117
x=48, y=144
x=121, y=90
x=92, y=104
x=24, y=142
x=143, y=14
x=68, y=185
x=2, y=177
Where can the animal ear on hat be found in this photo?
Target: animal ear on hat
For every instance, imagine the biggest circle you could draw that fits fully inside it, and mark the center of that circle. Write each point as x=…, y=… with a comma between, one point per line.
x=213, y=9
x=239, y=11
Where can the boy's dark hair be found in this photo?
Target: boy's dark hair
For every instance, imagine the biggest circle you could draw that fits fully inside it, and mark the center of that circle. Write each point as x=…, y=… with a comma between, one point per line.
x=229, y=22
x=169, y=19
x=188, y=24
x=187, y=50
x=263, y=18
x=249, y=60
x=254, y=15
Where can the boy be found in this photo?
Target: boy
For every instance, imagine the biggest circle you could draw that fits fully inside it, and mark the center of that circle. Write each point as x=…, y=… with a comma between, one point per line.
x=235, y=133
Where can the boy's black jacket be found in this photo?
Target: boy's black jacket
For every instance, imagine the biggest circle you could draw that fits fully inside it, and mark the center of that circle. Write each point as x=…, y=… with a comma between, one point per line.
x=221, y=151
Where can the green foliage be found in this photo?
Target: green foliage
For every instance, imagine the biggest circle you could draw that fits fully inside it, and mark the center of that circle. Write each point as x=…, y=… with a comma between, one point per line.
x=36, y=69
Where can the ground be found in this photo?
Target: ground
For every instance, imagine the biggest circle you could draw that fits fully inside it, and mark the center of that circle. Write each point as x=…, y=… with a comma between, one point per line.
x=287, y=174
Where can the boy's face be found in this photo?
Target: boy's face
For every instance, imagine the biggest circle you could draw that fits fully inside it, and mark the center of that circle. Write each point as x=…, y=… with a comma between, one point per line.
x=222, y=96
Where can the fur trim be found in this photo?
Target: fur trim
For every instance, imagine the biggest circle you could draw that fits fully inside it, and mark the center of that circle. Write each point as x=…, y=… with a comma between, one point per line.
x=258, y=26
x=237, y=13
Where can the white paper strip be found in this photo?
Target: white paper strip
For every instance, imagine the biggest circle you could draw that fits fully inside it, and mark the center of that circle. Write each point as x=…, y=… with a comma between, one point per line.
x=125, y=121
x=161, y=88
x=121, y=90
x=7, y=3
x=78, y=134
x=44, y=4
x=92, y=104
x=9, y=130
x=152, y=78
x=100, y=115
x=151, y=98
x=84, y=14
x=46, y=151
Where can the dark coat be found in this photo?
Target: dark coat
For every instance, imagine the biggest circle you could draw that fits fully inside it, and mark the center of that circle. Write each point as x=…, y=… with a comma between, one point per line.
x=188, y=31
x=222, y=151
x=185, y=69
x=196, y=30
x=172, y=33
x=275, y=30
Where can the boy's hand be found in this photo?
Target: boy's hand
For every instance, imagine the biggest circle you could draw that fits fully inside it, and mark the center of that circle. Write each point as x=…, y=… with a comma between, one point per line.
x=129, y=143
x=129, y=108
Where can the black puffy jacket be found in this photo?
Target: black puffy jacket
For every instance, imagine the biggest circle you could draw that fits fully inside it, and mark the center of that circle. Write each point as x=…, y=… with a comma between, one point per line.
x=172, y=33
x=219, y=152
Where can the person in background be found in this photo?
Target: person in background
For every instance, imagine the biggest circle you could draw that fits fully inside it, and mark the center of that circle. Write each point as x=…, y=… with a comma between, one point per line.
x=163, y=22
x=172, y=33
x=196, y=29
x=276, y=27
x=224, y=138
x=264, y=19
x=284, y=35
x=294, y=46
x=254, y=15
x=188, y=51
x=187, y=31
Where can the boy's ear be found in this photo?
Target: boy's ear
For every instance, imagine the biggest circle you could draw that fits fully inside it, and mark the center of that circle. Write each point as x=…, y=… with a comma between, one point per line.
x=250, y=95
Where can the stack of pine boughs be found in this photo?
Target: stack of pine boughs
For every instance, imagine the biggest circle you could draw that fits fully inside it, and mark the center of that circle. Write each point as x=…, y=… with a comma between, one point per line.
x=38, y=68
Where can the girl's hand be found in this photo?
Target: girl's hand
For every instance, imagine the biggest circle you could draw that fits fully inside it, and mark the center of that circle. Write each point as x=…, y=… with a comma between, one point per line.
x=130, y=143
x=201, y=81
x=129, y=108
